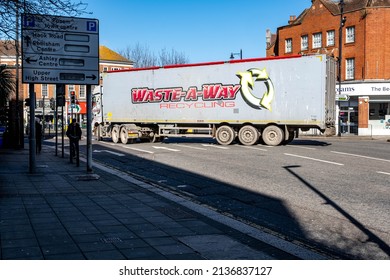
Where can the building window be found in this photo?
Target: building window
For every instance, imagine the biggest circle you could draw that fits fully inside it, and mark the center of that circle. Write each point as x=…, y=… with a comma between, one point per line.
x=70, y=88
x=350, y=34
x=44, y=90
x=288, y=45
x=350, y=69
x=317, y=40
x=330, y=38
x=304, y=43
x=82, y=92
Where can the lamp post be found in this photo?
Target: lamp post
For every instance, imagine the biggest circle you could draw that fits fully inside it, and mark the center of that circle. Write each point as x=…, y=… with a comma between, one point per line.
x=233, y=54
x=342, y=23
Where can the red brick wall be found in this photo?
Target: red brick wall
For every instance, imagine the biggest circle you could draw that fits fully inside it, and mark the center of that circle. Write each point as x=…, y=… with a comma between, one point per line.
x=377, y=42
x=371, y=48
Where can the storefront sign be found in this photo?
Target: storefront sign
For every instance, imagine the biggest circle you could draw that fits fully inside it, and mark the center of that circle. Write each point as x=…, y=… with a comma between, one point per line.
x=364, y=89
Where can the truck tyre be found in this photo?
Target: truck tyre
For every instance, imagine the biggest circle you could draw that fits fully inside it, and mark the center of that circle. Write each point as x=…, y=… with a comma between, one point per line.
x=248, y=135
x=291, y=136
x=115, y=134
x=225, y=135
x=273, y=135
x=124, y=135
x=153, y=138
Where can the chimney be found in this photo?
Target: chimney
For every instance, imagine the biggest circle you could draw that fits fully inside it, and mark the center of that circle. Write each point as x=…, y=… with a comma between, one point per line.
x=292, y=19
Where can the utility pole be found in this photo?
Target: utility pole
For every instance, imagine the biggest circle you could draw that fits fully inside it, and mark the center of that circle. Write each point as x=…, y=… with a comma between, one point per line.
x=342, y=23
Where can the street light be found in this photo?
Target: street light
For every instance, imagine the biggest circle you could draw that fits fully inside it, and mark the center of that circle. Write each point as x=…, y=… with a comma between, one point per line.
x=233, y=54
x=343, y=19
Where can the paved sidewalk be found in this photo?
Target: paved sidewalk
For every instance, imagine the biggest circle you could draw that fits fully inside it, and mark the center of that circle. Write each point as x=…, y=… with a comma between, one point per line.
x=61, y=212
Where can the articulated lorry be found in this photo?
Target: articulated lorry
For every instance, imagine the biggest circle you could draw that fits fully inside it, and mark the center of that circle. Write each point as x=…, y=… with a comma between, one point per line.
x=268, y=99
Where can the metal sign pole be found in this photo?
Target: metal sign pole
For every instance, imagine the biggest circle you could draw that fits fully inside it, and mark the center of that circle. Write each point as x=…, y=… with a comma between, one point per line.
x=56, y=125
x=89, y=129
x=31, y=138
x=62, y=130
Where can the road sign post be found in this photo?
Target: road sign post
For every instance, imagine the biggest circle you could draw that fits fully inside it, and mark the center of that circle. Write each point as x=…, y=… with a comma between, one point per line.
x=60, y=50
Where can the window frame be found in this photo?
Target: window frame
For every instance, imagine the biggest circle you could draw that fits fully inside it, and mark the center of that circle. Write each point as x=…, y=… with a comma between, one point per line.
x=303, y=47
x=82, y=91
x=288, y=45
x=44, y=90
x=350, y=36
x=315, y=40
x=350, y=68
x=333, y=42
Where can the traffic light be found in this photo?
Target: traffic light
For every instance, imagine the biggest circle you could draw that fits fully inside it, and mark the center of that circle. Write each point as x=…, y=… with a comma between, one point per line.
x=52, y=103
x=72, y=97
x=60, y=100
x=27, y=102
x=60, y=95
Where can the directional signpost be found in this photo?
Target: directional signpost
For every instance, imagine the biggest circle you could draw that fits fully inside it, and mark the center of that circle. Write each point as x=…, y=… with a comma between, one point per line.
x=60, y=50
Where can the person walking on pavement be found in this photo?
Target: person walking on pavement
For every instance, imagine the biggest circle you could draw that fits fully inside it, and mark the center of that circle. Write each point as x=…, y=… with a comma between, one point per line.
x=74, y=134
x=38, y=136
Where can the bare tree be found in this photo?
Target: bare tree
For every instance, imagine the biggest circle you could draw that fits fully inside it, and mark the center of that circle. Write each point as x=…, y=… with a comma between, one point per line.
x=141, y=55
x=10, y=11
x=144, y=57
x=172, y=57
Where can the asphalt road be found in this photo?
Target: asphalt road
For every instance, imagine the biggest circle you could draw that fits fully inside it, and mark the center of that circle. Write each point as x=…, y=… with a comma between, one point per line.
x=330, y=194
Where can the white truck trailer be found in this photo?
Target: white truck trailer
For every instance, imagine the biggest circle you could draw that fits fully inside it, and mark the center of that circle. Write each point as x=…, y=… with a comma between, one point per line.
x=270, y=99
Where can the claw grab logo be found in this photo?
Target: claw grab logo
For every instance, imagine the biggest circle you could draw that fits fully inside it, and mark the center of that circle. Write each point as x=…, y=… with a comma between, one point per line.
x=247, y=84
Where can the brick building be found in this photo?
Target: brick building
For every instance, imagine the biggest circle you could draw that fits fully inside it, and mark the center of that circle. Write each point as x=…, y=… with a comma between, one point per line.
x=365, y=74
x=108, y=60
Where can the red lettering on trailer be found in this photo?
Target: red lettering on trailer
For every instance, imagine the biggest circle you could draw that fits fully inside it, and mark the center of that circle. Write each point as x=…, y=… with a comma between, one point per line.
x=209, y=92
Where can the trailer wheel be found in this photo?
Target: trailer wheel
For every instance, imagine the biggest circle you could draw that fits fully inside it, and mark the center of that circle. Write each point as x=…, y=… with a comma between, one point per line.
x=225, y=135
x=273, y=135
x=248, y=135
x=291, y=136
x=124, y=135
x=153, y=138
x=115, y=134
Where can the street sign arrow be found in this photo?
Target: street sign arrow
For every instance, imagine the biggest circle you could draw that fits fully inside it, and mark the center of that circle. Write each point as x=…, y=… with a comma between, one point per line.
x=93, y=77
x=29, y=60
x=27, y=40
x=342, y=97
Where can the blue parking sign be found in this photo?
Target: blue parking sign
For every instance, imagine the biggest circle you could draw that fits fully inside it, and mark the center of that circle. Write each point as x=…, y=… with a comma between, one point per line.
x=92, y=26
x=28, y=21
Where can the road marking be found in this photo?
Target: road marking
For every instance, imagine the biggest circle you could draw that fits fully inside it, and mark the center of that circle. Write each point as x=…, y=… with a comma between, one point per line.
x=215, y=146
x=254, y=148
x=315, y=159
x=301, y=147
x=165, y=148
x=386, y=173
x=191, y=147
x=139, y=150
x=354, y=155
x=110, y=152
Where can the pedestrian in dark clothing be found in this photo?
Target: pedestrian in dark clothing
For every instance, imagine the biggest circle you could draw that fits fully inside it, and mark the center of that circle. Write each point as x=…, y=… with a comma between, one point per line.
x=38, y=136
x=74, y=134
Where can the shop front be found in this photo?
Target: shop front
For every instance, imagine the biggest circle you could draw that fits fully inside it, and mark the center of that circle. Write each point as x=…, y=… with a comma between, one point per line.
x=366, y=111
